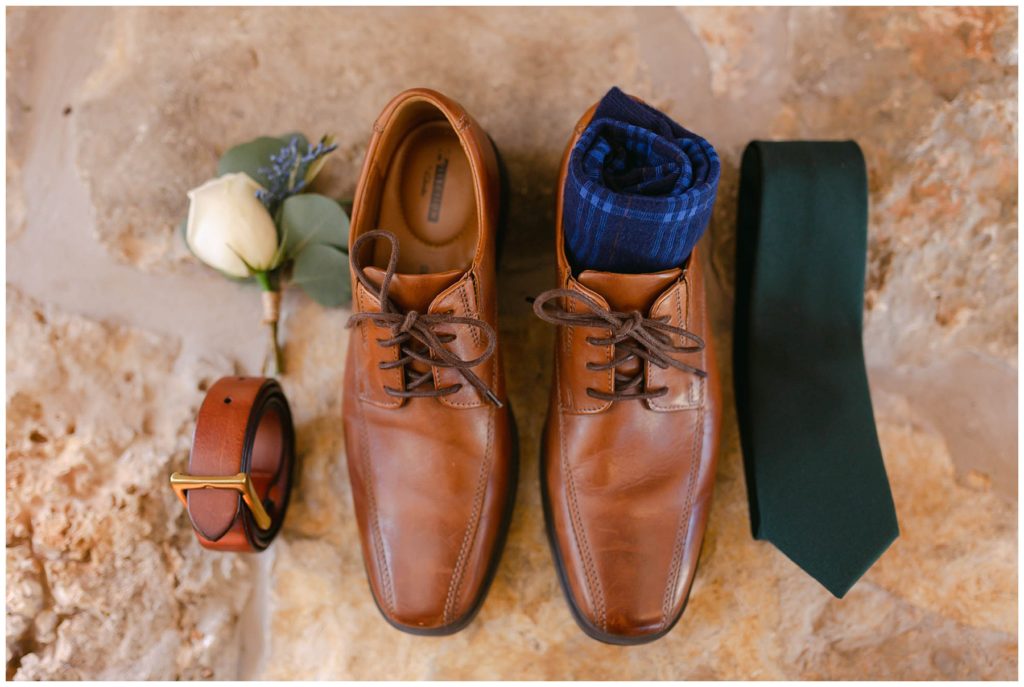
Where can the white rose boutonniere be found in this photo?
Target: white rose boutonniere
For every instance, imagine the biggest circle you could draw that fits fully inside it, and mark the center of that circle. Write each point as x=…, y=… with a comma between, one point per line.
x=257, y=220
x=229, y=228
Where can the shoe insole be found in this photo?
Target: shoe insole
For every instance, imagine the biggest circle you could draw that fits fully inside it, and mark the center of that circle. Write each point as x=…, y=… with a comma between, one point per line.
x=429, y=202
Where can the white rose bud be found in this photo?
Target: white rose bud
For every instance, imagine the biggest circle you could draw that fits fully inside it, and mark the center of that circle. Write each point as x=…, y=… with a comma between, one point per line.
x=227, y=224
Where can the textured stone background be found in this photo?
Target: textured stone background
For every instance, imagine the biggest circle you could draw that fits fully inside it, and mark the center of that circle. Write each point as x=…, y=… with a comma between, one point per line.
x=113, y=332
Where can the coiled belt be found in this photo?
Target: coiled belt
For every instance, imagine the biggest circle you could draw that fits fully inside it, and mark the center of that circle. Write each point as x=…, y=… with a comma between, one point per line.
x=240, y=469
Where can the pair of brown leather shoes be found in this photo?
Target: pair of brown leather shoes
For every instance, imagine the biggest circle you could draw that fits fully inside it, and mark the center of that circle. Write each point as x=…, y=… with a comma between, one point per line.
x=629, y=446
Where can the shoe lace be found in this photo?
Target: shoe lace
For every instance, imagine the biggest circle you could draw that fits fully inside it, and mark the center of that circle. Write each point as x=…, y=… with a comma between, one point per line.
x=414, y=334
x=633, y=336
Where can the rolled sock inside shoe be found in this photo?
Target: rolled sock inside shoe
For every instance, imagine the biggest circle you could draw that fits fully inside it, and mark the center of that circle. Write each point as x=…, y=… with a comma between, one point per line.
x=639, y=192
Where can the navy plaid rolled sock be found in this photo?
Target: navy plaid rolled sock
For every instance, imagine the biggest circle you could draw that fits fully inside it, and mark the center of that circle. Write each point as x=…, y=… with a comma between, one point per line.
x=639, y=191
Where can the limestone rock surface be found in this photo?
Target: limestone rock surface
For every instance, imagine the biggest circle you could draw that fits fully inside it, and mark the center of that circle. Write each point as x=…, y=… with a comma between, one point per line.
x=104, y=580
x=114, y=330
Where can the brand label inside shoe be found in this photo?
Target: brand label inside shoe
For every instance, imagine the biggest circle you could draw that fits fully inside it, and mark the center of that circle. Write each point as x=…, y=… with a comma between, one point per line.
x=437, y=188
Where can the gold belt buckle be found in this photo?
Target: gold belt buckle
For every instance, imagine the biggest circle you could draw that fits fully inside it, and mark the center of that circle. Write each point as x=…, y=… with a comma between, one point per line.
x=242, y=483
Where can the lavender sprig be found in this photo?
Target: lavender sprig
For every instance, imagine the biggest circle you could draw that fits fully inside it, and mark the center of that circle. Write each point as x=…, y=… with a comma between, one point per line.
x=288, y=171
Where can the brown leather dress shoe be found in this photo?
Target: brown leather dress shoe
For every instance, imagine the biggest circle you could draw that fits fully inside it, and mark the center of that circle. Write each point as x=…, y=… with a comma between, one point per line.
x=629, y=447
x=428, y=432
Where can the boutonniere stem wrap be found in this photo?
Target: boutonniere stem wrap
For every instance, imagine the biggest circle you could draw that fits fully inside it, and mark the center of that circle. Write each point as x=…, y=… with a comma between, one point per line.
x=261, y=220
x=271, y=316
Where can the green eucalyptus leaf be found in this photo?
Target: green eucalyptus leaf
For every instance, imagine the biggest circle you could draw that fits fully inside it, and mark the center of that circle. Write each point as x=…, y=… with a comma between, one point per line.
x=310, y=218
x=250, y=157
x=322, y=272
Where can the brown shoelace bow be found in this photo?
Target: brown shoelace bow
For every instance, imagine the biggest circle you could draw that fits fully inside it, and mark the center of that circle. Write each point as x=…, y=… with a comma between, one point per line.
x=413, y=327
x=633, y=335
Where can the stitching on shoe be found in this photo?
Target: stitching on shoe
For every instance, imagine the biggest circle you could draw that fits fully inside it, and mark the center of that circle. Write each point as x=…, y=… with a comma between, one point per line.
x=471, y=527
x=684, y=525
x=364, y=393
x=683, y=322
x=699, y=315
x=475, y=313
x=378, y=546
x=472, y=403
x=609, y=353
x=567, y=350
x=589, y=569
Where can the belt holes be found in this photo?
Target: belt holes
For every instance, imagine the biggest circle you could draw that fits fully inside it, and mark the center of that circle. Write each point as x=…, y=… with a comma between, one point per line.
x=227, y=400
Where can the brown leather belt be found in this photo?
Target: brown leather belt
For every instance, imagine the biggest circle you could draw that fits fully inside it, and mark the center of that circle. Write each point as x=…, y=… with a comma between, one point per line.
x=240, y=470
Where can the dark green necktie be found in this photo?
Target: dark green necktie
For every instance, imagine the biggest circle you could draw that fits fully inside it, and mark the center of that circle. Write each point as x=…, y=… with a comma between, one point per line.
x=815, y=478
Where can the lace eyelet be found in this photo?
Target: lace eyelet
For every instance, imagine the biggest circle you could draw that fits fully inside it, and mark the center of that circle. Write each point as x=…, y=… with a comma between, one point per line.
x=449, y=390
x=418, y=337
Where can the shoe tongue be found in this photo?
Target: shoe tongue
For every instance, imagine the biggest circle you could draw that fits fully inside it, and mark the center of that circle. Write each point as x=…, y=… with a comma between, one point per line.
x=414, y=291
x=628, y=292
